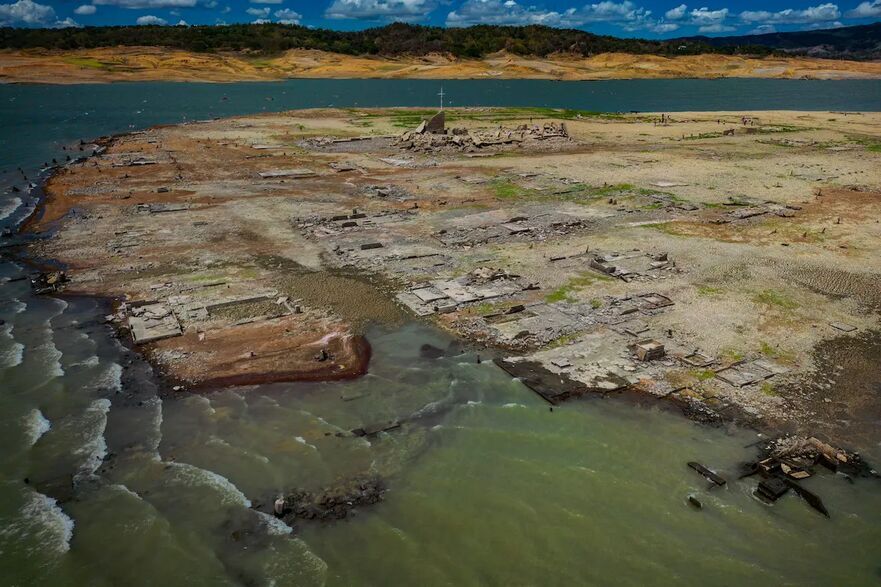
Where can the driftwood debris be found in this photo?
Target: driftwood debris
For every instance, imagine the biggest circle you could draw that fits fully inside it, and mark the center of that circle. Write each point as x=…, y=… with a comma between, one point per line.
x=708, y=474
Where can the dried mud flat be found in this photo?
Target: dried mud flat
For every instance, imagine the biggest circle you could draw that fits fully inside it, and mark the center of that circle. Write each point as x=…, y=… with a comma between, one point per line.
x=153, y=63
x=726, y=262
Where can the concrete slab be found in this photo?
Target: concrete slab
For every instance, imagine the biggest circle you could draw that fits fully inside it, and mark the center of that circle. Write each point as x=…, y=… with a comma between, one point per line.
x=153, y=322
x=428, y=294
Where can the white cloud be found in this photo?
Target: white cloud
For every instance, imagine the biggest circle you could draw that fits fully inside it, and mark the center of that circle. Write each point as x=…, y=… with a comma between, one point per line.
x=501, y=12
x=259, y=12
x=381, y=9
x=663, y=27
x=706, y=17
x=26, y=12
x=266, y=1
x=85, y=9
x=677, y=13
x=150, y=20
x=262, y=21
x=139, y=4
x=824, y=25
x=182, y=22
x=763, y=29
x=67, y=23
x=287, y=16
x=509, y=12
x=821, y=13
x=716, y=28
x=866, y=10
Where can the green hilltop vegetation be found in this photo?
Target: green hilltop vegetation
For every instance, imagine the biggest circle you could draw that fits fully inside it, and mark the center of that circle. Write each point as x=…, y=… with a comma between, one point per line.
x=393, y=40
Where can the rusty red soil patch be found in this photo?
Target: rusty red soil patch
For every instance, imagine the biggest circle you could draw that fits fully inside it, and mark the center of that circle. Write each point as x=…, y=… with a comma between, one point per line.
x=283, y=349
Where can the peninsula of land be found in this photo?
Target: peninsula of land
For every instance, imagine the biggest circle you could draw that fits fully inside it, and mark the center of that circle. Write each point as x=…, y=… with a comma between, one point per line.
x=114, y=64
x=726, y=262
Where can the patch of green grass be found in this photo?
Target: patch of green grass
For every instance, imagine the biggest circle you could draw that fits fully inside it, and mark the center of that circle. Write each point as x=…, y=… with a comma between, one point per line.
x=732, y=355
x=768, y=389
x=261, y=63
x=709, y=290
x=596, y=303
x=582, y=280
x=872, y=144
x=702, y=374
x=86, y=62
x=507, y=190
x=777, y=128
x=770, y=297
x=703, y=135
x=776, y=353
x=665, y=227
x=560, y=341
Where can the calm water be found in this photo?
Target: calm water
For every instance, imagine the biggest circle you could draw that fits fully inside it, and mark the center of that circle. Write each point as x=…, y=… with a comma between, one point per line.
x=487, y=486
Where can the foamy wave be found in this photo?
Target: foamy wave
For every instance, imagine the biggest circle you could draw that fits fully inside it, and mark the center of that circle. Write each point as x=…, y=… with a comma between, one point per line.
x=192, y=476
x=92, y=361
x=94, y=448
x=433, y=407
x=9, y=207
x=513, y=405
x=16, y=306
x=111, y=378
x=322, y=421
x=52, y=357
x=156, y=403
x=124, y=489
x=13, y=355
x=217, y=441
x=36, y=425
x=302, y=440
x=274, y=525
x=41, y=517
x=201, y=399
x=60, y=304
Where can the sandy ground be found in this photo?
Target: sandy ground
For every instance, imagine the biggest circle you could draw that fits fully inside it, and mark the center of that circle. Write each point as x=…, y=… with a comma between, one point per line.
x=767, y=224
x=149, y=63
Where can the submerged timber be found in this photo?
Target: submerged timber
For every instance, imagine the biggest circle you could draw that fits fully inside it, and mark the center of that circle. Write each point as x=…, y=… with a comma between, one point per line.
x=719, y=261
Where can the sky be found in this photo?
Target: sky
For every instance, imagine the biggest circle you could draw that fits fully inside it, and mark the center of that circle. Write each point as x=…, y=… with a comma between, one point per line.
x=626, y=18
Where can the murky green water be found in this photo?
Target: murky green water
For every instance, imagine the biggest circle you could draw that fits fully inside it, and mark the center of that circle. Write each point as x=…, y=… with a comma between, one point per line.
x=104, y=483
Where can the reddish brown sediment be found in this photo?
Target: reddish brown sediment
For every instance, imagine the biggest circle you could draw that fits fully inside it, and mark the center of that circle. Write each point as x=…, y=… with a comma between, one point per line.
x=161, y=64
x=265, y=352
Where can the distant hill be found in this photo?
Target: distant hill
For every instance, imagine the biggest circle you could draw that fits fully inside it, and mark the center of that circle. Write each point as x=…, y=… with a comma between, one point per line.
x=854, y=42
x=860, y=42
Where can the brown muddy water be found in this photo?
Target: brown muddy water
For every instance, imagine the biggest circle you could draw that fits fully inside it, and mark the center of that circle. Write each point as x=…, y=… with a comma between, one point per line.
x=357, y=298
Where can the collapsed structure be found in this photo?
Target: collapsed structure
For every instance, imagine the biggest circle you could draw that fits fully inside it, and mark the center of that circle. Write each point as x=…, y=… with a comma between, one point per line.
x=433, y=136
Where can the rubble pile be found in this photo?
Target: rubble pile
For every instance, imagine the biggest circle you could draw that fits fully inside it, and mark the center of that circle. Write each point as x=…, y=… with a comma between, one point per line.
x=461, y=139
x=332, y=503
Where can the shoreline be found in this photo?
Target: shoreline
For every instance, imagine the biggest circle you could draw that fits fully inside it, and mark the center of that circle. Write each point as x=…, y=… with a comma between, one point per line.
x=109, y=65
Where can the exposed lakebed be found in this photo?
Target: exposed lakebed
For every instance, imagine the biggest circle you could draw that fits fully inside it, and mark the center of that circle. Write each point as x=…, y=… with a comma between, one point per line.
x=484, y=484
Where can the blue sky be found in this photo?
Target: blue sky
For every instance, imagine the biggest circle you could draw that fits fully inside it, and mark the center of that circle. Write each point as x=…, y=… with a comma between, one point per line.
x=631, y=18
